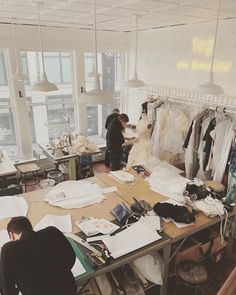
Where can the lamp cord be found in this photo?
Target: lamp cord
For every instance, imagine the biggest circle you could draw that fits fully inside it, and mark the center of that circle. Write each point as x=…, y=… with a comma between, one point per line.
x=216, y=33
x=95, y=36
x=14, y=42
x=40, y=38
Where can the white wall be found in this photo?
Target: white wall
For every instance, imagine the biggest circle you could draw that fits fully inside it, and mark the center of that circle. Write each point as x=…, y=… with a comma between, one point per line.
x=180, y=57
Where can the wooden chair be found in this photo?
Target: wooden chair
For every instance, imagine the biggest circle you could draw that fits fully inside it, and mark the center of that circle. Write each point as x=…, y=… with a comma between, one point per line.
x=229, y=287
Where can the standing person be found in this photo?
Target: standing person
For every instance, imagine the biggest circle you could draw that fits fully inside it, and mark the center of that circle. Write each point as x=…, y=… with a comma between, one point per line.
x=36, y=263
x=115, y=140
x=115, y=113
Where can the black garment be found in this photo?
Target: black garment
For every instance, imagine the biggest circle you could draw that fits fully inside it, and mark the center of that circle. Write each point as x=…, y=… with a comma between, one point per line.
x=110, y=118
x=39, y=264
x=208, y=139
x=115, y=139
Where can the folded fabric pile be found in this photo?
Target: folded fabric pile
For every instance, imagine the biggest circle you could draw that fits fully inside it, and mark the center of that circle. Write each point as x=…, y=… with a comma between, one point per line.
x=82, y=145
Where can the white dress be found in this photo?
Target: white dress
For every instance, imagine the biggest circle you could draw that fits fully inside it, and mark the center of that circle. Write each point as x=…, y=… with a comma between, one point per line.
x=141, y=152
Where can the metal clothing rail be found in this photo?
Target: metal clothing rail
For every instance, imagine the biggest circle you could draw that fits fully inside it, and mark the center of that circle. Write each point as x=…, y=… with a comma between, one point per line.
x=188, y=97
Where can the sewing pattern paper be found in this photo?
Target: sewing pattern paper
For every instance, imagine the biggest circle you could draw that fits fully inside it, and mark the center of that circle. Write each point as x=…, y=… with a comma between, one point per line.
x=12, y=206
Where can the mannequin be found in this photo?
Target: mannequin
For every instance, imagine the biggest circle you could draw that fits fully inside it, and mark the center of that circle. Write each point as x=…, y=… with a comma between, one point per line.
x=141, y=152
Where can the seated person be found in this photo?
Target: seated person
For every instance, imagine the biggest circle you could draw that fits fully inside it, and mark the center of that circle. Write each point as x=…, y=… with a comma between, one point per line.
x=36, y=263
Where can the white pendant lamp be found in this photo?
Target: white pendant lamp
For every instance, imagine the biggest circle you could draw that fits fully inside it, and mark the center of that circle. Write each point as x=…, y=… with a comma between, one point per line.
x=135, y=82
x=17, y=76
x=210, y=87
x=43, y=84
x=96, y=95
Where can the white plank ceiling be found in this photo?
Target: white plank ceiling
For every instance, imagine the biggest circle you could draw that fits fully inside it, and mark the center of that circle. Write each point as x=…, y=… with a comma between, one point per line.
x=116, y=15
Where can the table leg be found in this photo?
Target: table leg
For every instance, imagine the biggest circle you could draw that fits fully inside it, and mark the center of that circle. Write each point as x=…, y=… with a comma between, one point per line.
x=72, y=169
x=231, y=238
x=166, y=258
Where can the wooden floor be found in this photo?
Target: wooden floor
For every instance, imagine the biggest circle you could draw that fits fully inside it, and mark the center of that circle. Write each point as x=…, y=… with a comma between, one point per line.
x=217, y=272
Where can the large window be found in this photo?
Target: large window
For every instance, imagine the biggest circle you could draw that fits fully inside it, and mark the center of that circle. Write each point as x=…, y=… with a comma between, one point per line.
x=51, y=113
x=7, y=129
x=109, y=66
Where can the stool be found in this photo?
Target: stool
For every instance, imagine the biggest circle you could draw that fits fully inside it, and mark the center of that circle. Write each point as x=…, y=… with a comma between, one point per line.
x=27, y=168
x=215, y=186
x=191, y=274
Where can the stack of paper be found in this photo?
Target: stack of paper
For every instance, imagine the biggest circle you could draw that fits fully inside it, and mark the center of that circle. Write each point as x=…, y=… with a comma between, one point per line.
x=63, y=223
x=93, y=226
x=134, y=237
x=75, y=194
x=12, y=206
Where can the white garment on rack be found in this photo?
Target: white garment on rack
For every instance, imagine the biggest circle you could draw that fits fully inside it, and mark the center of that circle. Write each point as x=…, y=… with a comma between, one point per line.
x=225, y=149
x=220, y=131
x=201, y=154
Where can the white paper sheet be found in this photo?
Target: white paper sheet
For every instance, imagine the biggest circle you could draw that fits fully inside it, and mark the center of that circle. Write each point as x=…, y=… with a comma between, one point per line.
x=4, y=237
x=75, y=194
x=78, y=268
x=153, y=222
x=63, y=223
x=110, y=189
x=134, y=237
x=93, y=226
x=12, y=206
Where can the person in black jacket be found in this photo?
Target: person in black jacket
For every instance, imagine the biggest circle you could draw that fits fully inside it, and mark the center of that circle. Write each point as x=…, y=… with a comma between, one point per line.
x=36, y=263
x=116, y=140
x=115, y=113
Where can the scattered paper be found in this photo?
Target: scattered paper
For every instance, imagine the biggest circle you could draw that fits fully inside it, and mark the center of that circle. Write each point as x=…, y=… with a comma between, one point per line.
x=153, y=222
x=97, y=238
x=134, y=237
x=12, y=206
x=78, y=268
x=63, y=223
x=110, y=189
x=93, y=226
x=75, y=194
x=4, y=237
x=122, y=176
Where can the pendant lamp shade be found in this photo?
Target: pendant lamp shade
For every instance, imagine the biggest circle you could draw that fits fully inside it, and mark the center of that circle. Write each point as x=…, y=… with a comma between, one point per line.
x=210, y=87
x=96, y=95
x=43, y=84
x=17, y=76
x=135, y=82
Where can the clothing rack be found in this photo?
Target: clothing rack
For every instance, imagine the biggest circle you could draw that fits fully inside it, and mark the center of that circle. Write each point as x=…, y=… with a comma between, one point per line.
x=187, y=97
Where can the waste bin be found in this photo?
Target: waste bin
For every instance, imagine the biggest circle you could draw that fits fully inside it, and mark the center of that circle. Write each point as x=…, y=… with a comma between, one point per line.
x=30, y=184
x=45, y=183
x=55, y=175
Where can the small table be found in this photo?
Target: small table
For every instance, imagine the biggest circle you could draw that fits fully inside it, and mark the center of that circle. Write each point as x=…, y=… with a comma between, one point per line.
x=66, y=158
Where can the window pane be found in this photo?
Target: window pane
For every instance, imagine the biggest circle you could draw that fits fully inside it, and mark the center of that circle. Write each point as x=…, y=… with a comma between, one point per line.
x=92, y=113
x=52, y=66
x=66, y=69
x=3, y=78
x=109, y=66
x=7, y=128
x=50, y=111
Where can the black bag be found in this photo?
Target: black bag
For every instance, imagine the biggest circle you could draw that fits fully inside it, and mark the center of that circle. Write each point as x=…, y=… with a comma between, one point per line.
x=177, y=213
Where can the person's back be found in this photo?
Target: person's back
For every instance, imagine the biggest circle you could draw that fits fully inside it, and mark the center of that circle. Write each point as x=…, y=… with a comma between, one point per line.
x=39, y=264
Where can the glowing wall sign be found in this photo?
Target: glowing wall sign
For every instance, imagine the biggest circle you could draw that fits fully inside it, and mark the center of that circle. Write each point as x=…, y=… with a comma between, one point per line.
x=203, y=47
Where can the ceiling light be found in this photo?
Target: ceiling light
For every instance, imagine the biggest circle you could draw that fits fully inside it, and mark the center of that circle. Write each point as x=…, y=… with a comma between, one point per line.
x=17, y=76
x=43, y=84
x=135, y=82
x=210, y=87
x=96, y=95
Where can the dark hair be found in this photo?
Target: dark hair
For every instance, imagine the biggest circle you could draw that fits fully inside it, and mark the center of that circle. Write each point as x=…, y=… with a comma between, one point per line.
x=115, y=111
x=19, y=225
x=123, y=118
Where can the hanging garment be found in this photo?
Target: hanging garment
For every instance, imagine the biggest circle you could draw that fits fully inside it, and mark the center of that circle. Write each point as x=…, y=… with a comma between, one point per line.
x=201, y=154
x=226, y=145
